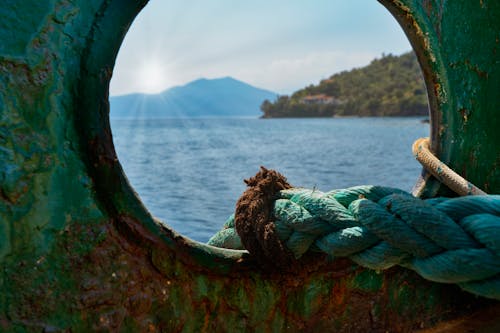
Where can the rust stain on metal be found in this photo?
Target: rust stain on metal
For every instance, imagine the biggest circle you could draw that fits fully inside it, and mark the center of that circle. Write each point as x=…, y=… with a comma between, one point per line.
x=485, y=321
x=475, y=68
x=96, y=260
x=103, y=148
x=465, y=114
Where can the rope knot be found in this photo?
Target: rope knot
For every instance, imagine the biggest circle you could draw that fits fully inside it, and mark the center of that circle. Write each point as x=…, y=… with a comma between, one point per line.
x=254, y=220
x=294, y=229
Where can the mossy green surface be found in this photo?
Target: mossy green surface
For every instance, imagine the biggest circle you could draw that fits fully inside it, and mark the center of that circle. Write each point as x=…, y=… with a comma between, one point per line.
x=78, y=250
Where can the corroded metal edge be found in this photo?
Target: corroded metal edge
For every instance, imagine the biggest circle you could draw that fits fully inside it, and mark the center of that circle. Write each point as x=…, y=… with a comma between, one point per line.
x=80, y=252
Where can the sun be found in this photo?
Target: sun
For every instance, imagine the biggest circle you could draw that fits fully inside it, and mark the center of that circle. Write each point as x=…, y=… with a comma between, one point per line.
x=153, y=77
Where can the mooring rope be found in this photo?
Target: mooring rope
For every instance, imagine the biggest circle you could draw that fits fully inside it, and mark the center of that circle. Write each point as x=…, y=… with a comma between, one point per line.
x=448, y=240
x=423, y=154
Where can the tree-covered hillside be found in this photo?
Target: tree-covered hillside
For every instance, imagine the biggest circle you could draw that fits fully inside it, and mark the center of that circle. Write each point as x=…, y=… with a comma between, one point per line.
x=389, y=86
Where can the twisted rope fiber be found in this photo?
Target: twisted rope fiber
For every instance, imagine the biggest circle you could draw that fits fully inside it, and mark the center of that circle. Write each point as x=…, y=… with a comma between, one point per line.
x=423, y=154
x=444, y=240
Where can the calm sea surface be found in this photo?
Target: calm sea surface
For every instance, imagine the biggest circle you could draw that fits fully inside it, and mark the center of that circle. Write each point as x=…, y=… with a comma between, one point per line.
x=189, y=172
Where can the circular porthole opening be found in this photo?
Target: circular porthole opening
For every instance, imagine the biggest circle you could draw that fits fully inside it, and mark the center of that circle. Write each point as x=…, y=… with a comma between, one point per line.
x=343, y=102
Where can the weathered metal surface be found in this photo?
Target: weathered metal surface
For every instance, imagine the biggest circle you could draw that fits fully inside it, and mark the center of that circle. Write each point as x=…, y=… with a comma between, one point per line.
x=79, y=251
x=458, y=46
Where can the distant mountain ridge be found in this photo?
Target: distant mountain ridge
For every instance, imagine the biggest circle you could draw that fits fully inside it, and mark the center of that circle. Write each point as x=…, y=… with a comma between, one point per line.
x=222, y=97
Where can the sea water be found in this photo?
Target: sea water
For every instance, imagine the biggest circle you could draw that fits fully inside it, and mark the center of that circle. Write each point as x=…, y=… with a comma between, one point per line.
x=189, y=172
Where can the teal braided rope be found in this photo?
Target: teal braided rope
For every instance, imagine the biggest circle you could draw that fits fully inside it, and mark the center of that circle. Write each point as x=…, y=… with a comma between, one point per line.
x=444, y=240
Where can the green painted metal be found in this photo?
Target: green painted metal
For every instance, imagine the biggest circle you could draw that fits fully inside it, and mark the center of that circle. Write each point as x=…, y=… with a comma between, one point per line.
x=78, y=250
x=458, y=45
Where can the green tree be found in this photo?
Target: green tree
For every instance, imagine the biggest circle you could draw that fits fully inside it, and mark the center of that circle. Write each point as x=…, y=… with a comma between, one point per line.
x=389, y=86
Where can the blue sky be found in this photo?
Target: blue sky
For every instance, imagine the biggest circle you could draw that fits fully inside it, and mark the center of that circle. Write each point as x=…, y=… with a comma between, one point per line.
x=280, y=45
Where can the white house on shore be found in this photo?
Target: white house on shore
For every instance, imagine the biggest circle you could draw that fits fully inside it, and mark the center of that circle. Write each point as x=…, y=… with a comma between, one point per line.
x=320, y=99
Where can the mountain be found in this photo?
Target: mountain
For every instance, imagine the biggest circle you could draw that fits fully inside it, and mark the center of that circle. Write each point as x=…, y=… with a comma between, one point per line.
x=389, y=86
x=223, y=97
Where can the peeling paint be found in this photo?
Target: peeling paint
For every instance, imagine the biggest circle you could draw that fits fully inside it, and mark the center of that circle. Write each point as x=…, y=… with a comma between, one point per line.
x=79, y=251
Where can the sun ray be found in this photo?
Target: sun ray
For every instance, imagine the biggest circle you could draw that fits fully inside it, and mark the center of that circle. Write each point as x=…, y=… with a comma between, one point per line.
x=152, y=76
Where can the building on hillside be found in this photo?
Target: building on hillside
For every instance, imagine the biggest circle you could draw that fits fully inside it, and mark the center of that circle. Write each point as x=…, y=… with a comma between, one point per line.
x=320, y=99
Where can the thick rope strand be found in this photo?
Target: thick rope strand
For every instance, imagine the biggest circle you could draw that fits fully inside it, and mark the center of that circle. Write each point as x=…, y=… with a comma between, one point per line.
x=444, y=240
